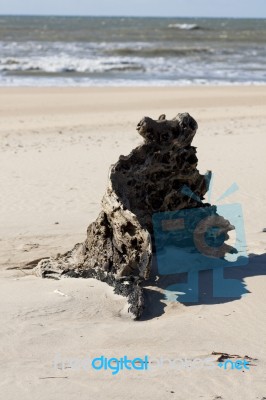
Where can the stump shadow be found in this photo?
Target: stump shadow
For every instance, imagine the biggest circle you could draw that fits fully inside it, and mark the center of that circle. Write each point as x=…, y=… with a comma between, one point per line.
x=160, y=288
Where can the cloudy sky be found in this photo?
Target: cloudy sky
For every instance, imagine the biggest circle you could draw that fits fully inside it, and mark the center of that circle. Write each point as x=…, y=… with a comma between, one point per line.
x=175, y=8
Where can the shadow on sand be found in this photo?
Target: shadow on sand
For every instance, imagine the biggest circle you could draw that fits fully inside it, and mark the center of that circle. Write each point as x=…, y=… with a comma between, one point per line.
x=157, y=291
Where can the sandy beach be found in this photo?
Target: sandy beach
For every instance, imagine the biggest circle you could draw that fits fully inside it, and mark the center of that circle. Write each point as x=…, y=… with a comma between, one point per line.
x=57, y=145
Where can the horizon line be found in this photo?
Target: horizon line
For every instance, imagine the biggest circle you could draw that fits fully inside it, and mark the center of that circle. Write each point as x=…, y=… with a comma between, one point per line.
x=123, y=16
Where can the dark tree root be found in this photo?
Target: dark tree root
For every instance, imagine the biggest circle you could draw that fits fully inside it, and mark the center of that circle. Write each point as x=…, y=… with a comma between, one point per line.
x=126, y=286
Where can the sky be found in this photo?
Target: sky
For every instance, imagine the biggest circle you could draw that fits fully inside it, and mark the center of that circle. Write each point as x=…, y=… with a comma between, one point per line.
x=171, y=8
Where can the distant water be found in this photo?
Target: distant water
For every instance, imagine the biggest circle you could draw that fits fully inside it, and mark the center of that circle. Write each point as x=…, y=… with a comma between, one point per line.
x=86, y=51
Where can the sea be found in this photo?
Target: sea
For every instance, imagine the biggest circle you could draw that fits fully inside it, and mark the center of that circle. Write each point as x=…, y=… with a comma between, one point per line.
x=125, y=51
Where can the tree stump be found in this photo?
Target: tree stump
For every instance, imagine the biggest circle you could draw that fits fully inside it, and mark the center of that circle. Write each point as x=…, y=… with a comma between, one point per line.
x=120, y=244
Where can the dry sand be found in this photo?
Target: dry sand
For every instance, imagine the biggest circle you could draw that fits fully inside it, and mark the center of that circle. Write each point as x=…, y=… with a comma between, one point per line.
x=56, y=149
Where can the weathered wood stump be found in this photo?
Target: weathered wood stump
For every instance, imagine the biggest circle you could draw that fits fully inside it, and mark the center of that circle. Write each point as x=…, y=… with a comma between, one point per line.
x=119, y=244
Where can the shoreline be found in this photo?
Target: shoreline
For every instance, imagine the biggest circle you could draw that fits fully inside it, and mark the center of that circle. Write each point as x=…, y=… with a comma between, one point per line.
x=135, y=85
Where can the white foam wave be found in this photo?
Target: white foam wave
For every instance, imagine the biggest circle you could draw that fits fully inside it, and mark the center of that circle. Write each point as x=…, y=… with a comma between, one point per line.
x=64, y=63
x=186, y=27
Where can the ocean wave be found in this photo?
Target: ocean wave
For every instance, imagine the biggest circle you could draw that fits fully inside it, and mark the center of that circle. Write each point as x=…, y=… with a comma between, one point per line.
x=151, y=61
x=158, y=52
x=61, y=81
x=64, y=64
x=186, y=27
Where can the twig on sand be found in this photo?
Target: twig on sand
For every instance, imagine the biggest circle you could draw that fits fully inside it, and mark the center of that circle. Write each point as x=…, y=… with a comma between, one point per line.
x=54, y=377
x=226, y=356
x=28, y=265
